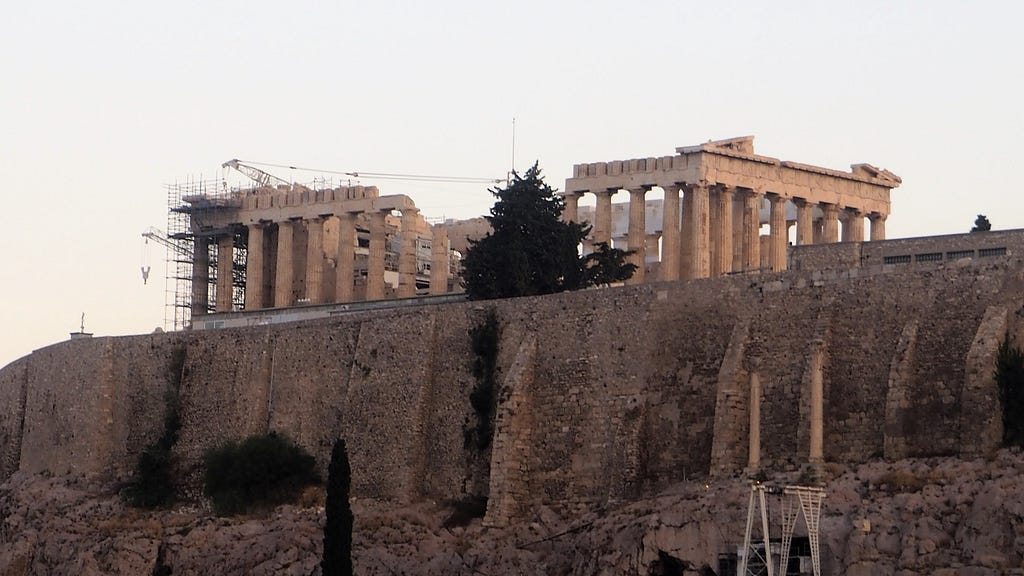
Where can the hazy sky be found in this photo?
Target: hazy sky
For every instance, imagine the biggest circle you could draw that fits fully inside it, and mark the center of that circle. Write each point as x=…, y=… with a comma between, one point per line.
x=103, y=102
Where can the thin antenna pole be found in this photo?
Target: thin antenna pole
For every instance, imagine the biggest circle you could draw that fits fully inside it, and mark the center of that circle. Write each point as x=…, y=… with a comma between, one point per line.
x=513, y=166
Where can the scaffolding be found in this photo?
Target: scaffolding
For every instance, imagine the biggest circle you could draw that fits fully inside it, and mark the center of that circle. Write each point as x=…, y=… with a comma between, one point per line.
x=186, y=203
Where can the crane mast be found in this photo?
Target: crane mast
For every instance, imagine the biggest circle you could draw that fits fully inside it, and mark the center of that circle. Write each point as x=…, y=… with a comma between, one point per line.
x=259, y=176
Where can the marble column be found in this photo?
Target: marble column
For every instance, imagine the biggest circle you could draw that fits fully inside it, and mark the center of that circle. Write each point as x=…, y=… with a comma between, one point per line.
x=853, y=225
x=877, y=226
x=344, y=283
x=603, y=217
x=407, y=255
x=200, y=276
x=571, y=211
x=686, y=236
x=439, y=260
x=375, y=265
x=754, y=448
x=737, y=234
x=284, y=282
x=818, y=236
x=830, y=222
x=722, y=231
x=315, y=261
x=700, y=231
x=804, y=222
x=254, y=263
x=670, y=234
x=816, y=451
x=751, y=231
x=638, y=234
x=777, y=241
x=225, y=267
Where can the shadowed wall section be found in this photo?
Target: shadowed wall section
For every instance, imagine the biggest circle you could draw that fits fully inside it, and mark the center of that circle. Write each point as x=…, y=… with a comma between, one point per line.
x=604, y=395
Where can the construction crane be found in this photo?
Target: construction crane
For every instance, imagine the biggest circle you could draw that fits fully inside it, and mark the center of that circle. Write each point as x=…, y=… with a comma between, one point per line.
x=160, y=237
x=259, y=176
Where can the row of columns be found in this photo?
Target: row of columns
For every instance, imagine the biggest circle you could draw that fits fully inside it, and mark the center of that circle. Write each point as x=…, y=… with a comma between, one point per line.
x=721, y=228
x=315, y=273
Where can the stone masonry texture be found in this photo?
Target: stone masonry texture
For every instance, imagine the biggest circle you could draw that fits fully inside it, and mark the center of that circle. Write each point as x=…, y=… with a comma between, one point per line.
x=605, y=395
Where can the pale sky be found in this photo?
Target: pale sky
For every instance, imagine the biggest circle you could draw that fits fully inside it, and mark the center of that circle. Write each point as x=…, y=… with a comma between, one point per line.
x=102, y=103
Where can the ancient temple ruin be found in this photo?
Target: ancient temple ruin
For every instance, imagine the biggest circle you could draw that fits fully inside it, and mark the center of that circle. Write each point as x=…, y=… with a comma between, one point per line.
x=714, y=228
x=280, y=246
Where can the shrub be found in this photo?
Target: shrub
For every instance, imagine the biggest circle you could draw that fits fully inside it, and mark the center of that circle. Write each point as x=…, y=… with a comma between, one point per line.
x=153, y=484
x=258, y=472
x=484, y=338
x=1010, y=382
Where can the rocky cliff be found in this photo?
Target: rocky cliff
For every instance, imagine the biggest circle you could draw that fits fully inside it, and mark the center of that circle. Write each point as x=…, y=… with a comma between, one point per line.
x=935, y=516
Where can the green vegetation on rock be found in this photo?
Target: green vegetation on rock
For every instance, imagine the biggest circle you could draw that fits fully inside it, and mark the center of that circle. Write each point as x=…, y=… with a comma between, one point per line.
x=258, y=472
x=1010, y=381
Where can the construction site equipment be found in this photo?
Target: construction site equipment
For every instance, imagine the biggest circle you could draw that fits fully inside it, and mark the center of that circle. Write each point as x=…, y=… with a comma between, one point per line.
x=796, y=500
x=261, y=177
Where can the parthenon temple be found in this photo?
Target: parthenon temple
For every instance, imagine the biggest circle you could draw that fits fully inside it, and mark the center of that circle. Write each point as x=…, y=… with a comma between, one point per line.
x=295, y=245
x=712, y=212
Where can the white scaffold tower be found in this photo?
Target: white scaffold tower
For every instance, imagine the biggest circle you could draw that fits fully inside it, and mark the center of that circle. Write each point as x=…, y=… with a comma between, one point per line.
x=795, y=500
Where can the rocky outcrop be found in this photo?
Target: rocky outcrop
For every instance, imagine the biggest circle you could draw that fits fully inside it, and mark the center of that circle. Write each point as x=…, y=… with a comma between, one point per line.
x=937, y=516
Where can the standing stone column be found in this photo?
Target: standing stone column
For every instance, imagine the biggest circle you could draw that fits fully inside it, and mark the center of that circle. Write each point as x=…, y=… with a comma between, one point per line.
x=777, y=221
x=603, y=216
x=375, y=265
x=638, y=233
x=830, y=222
x=439, y=260
x=315, y=261
x=700, y=230
x=722, y=231
x=572, y=202
x=686, y=236
x=254, y=262
x=225, y=267
x=737, y=234
x=407, y=255
x=853, y=225
x=804, y=222
x=670, y=234
x=816, y=455
x=751, y=231
x=877, y=226
x=200, y=275
x=754, y=449
x=819, y=236
x=344, y=286
x=284, y=282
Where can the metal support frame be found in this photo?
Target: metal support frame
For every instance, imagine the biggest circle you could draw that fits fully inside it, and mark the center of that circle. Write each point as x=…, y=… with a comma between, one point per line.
x=810, y=499
x=748, y=550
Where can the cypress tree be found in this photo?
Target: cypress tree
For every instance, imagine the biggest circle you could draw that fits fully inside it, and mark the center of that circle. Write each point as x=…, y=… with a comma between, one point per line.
x=337, y=560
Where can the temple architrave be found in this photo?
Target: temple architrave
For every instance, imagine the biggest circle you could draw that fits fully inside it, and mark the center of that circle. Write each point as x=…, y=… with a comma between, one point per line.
x=305, y=246
x=712, y=207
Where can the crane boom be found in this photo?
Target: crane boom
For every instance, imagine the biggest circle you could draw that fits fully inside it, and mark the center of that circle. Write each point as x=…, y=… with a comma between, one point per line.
x=259, y=176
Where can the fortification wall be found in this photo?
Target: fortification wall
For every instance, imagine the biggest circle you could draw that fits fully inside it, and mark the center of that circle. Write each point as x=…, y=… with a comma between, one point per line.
x=605, y=395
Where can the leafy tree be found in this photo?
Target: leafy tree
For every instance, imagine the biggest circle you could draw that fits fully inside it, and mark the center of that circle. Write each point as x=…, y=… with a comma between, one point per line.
x=530, y=250
x=981, y=224
x=606, y=265
x=258, y=472
x=337, y=560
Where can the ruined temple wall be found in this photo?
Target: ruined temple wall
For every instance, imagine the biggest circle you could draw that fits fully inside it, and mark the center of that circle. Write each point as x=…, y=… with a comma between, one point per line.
x=615, y=395
x=13, y=380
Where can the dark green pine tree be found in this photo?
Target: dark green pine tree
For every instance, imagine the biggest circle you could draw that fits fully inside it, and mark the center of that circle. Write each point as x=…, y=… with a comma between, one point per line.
x=606, y=265
x=337, y=560
x=981, y=224
x=530, y=250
